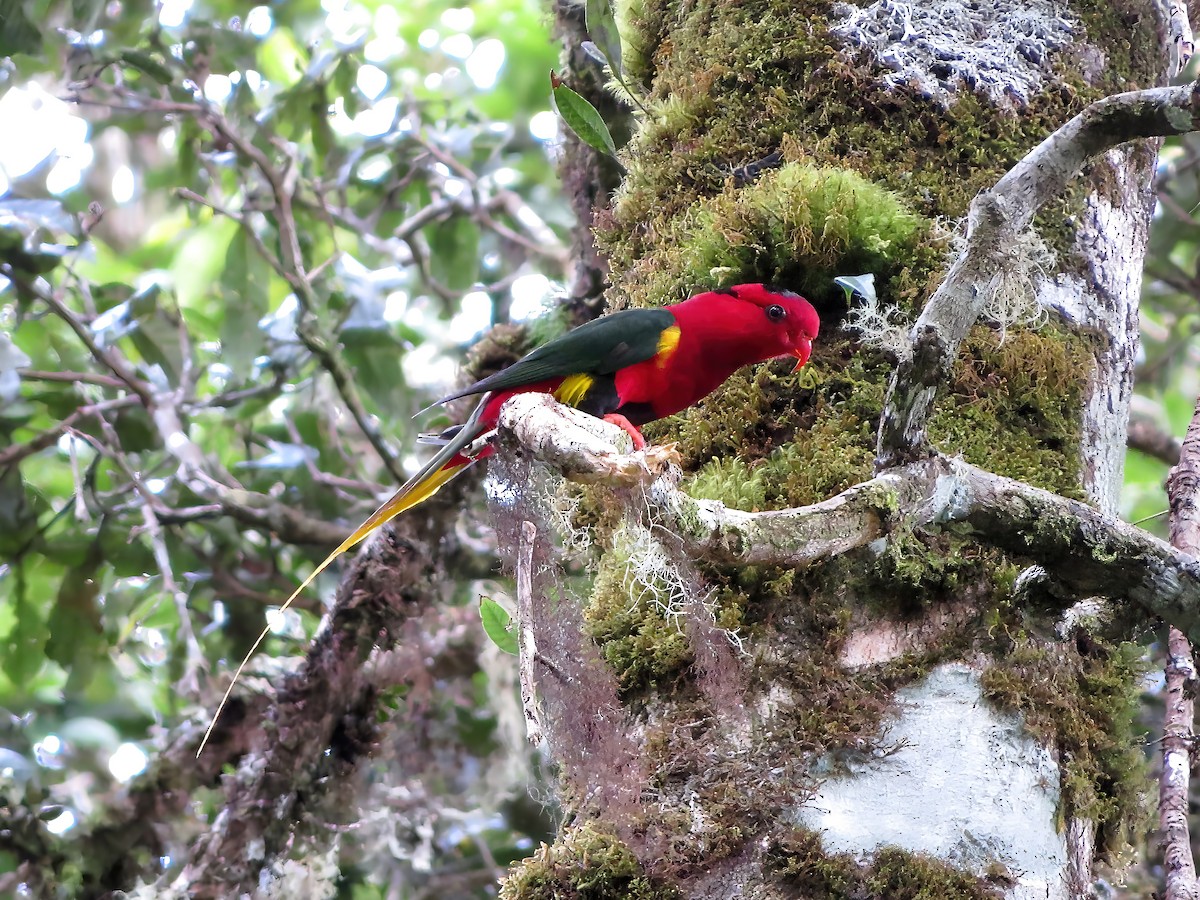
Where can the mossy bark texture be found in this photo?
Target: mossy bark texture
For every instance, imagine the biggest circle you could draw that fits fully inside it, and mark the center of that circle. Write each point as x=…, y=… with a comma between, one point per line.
x=919, y=717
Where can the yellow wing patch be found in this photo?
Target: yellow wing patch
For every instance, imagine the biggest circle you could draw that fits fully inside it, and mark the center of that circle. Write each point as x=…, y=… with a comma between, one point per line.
x=668, y=341
x=573, y=389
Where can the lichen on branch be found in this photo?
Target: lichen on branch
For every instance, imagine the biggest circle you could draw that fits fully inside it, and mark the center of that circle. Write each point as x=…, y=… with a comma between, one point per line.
x=1091, y=554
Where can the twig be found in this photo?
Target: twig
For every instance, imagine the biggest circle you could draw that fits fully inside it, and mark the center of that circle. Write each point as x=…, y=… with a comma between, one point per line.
x=12, y=455
x=996, y=219
x=525, y=636
x=272, y=260
x=72, y=377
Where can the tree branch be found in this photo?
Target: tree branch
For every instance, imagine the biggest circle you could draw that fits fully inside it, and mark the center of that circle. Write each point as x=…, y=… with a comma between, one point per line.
x=1183, y=491
x=996, y=219
x=1090, y=553
x=1147, y=436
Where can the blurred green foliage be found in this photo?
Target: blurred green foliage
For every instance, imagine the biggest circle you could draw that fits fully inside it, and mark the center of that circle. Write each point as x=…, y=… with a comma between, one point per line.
x=227, y=299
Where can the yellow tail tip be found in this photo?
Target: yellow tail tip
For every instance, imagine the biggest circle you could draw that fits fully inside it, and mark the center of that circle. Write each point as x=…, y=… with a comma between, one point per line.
x=404, y=499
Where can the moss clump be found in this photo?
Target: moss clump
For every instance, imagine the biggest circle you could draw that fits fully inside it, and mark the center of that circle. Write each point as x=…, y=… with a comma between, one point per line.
x=583, y=864
x=800, y=862
x=763, y=441
x=731, y=83
x=808, y=615
x=899, y=875
x=630, y=615
x=799, y=225
x=732, y=482
x=916, y=570
x=1014, y=406
x=1081, y=698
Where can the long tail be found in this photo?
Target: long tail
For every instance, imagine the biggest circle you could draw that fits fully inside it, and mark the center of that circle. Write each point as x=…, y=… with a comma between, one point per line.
x=445, y=465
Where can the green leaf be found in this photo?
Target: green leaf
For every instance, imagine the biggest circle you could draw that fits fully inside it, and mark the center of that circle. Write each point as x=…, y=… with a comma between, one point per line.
x=156, y=336
x=21, y=652
x=147, y=65
x=74, y=623
x=378, y=373
x=18, y=33
x=18, y=521
x=28, y=229
x=454, y=252
x=498, y=624
x=602, y=26
x=136, y=430
x=247, y=280
x=30, y=215
x=581, y=117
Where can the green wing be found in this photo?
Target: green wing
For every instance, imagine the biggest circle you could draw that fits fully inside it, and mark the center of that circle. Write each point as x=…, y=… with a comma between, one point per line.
x=600, y=347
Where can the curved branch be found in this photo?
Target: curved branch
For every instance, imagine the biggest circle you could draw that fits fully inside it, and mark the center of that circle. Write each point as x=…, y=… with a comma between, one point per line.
x=1091, y=554
x=995, y=221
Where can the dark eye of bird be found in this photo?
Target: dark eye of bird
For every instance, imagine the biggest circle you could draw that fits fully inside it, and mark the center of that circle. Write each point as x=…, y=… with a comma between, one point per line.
x=775, y=312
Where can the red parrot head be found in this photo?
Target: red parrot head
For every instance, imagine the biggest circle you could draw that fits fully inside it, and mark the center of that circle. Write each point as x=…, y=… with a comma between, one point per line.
x=788, y=323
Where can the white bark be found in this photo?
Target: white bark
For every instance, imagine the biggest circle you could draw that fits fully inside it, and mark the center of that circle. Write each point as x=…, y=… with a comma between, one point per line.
x=956, y=779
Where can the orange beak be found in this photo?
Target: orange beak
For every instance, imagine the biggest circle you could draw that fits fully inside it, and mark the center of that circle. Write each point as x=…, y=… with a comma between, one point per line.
x=802, y=353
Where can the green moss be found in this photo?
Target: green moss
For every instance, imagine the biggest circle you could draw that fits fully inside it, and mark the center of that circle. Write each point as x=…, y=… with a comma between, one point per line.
x=763, y=442
x=800, y=862
x=899, y=875
x=798, y=225
x=915, y=570
x=1014, y=406
x=807, y=616
x=1081, y=698
x=626, y=616
x=585, y=863
x=866, y=171
x=731, y=83
x=731, y=482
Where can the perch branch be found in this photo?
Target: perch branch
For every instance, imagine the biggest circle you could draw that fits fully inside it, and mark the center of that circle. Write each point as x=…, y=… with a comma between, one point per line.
x=1091, y=554
x=996, y=219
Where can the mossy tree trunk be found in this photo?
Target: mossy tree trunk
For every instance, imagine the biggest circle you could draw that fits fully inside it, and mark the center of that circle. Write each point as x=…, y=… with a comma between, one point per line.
x=927, y=715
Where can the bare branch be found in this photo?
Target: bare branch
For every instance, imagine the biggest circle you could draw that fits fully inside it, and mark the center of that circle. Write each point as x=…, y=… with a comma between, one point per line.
x=996, y=219
x=12, y=455
x=321, y=722
x=1146, y=436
